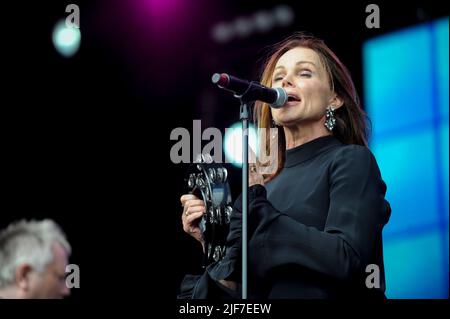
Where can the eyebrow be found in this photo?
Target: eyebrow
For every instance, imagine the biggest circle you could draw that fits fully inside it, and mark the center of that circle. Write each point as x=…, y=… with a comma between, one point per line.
x=299, y=62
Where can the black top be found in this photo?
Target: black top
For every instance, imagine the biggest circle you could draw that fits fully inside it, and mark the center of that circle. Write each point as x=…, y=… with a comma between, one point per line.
x=314, y=228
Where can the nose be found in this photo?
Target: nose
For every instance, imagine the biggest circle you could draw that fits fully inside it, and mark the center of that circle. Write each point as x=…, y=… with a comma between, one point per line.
x=287, y=81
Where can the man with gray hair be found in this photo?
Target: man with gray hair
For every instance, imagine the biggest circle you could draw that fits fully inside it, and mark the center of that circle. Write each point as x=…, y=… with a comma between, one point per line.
x=33, y=260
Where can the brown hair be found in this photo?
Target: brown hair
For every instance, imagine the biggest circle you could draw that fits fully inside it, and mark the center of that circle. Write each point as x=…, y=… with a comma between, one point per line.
x=350, y=128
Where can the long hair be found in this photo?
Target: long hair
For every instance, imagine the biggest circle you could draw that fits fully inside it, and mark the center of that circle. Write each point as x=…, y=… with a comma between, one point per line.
x=351, y=121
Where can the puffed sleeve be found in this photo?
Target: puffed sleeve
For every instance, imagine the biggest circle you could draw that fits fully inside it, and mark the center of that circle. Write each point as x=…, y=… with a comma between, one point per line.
x=356, y=216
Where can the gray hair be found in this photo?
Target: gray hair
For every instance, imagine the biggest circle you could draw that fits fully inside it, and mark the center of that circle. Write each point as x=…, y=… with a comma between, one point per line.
x=28, y=242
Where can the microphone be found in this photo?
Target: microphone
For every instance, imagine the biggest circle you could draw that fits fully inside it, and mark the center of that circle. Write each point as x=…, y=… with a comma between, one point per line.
x=275, y=97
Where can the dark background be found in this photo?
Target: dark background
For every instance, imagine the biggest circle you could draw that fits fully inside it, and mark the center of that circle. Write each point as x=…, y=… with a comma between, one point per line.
x=86, y=139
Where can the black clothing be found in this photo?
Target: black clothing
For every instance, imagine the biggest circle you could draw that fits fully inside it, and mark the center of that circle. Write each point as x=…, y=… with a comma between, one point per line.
x=314, y=228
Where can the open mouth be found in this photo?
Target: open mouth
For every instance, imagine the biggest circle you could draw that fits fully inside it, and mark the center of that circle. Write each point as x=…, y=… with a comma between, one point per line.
x=293, y=98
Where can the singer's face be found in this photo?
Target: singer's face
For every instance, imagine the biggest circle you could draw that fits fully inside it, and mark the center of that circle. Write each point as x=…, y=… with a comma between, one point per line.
x=300, y=71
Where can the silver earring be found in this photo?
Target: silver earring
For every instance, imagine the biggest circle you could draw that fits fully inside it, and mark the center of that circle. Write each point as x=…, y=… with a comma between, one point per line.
x=330, y=122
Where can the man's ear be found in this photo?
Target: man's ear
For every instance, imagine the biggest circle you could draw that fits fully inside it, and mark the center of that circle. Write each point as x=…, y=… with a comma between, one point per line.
x=335, y=101
x=23, y=272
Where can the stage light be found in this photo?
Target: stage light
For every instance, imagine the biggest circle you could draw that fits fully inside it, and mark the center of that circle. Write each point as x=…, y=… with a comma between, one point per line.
x=262, y=21
x=243, y=26
x=284, y=15
x=66, y=39
x=222, y=32
x=233, y=143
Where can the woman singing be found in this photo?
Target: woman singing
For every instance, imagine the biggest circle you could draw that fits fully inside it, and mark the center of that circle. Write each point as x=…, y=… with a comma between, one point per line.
x=315, y=222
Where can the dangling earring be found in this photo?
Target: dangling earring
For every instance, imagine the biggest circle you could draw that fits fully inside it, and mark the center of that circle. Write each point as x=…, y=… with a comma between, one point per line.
x=330, y=122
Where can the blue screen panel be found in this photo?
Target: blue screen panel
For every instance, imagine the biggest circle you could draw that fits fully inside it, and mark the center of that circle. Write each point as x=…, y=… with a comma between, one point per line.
x=399, y=69
x=440, y=33
x=444, y=150
x=446, y=263
x=407, y=100
x=415, y=266
x=411, y=185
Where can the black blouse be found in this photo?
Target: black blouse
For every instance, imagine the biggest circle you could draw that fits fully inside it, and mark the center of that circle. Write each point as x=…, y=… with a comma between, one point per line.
x=314, y=228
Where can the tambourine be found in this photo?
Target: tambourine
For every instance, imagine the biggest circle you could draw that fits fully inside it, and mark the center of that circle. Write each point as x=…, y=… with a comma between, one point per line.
x=208, y=181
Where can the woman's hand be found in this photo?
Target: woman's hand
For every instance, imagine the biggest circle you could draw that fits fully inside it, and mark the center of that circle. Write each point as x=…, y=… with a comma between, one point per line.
x=257, y=170
x=193, y=210
x=229, y=284
x=254, y=176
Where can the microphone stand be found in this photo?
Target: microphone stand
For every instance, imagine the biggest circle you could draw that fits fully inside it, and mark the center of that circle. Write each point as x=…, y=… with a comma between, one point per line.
x=244, y=115
x=245, y=99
